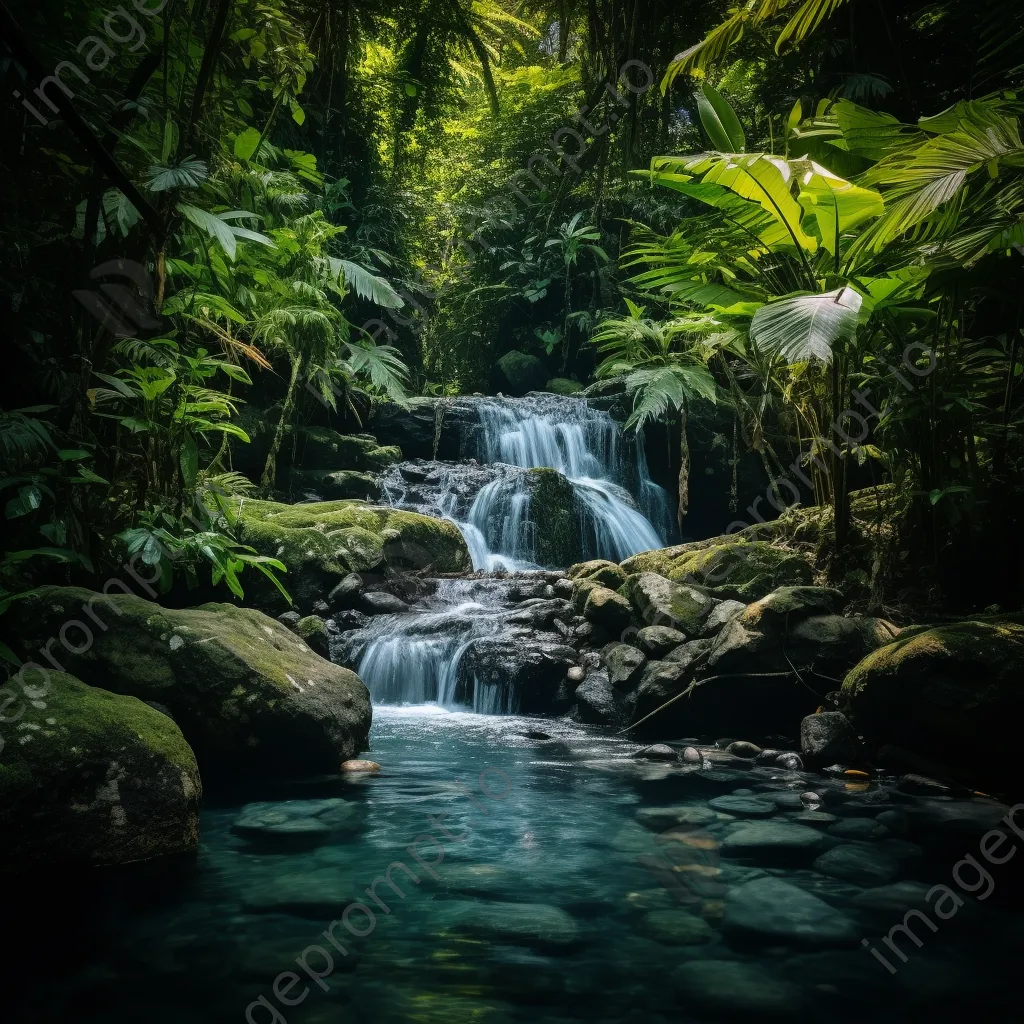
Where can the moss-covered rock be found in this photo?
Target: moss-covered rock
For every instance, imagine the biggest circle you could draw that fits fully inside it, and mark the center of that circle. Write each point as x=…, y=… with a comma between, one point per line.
x=953, y=693
x=339, y=485
x=313, y=630
x=321, y=542
x=246, y=692
x=734, y=568
x=516, y=372
x=93, y=777
x=608, y=574
x=556, y=523
x=563, y=386
x=320, y=448
x=660, y=602
x=607, y=609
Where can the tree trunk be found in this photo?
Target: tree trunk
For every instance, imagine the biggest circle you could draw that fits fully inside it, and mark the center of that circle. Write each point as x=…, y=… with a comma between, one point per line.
x=684, y=467
x=270, y=470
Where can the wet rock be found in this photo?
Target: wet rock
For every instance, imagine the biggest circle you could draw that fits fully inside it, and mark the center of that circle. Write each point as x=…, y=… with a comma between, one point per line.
x=922, y=785
x=607, y=609
x=722, y=613
x=828, y=738
x=788, y=605
x=791, y=762
x=734, y=987
x=349, y=620
x=743, y=748
x=689, y=654
x=658, y=819
x=816, y=819
x=378, y=602
x=540, y=612
x=858, y=828
x=691, y=755
x=336, y=485
x=563, y=588
x=787, y=801
x=895, y=899
x=533, y=664
x=596, y=699
x=624, y=665
x=676, y=928
x=346, y=593
x=771, y=841
x=742, y=806
x=289, y=619
x=657, y=752
x=516, y=373
x=318, y=894
x=657, y=641
x=295, y=820
x=769, y=910
x=863, y=864
x=576, y=674
x=660, y=602
x=529, y=923
x=357, y=766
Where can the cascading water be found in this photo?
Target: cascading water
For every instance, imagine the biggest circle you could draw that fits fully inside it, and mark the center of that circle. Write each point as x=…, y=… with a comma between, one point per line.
x=614, y=507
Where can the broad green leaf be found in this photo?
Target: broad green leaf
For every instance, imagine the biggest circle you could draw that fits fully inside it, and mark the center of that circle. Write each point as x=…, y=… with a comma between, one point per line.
x=805, y=327
x=246, y=143
x=836, y=204
x=720, y=121
x=189, y=457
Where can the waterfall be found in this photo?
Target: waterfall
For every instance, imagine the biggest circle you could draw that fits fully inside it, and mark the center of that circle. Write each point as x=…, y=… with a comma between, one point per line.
x=620, y=509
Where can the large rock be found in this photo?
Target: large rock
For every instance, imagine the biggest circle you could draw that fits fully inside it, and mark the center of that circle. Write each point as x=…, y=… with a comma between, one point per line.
x=952, y=693
x=623, y=664
x=727, y=567
x=529, y=663
x=660, y=602
x=516, y=373
x=828, y=738
x=321, y=542
x=323, y=449
x=596, y=700
x=608, y=574
x=772, y=911
x=734, y=989
x=607, y=609
x=553, y=518
x=93, y=777
x=338, y=485
x=246, y=692
x=657, y=641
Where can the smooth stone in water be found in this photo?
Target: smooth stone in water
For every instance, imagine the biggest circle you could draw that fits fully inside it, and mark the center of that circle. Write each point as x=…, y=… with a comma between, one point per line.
x=744, y=749
x=771, y=840
x=742, y=806
x=897, y=898
x=657, y=752
x=359, y=765
x=818, y=819
x=787, y=801
x=859, y=863
x=658, y=819
x=529, y=923
x=691, y=755
x=734, y=987
x=773, y=911
x=858, y=828
x=676, y=928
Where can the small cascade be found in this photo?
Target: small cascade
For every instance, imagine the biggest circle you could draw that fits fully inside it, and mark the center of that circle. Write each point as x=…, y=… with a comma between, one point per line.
x=418, y=657
x=619, y=508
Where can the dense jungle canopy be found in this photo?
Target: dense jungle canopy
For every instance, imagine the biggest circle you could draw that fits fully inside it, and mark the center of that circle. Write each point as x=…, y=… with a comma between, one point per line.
x=801, y=221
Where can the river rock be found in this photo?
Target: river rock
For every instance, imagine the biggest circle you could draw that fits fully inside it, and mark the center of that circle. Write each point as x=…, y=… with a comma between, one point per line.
x=600, y=570
x=607, y=609
x=722, y=613
x=624, y=664
x=378, y=602
x=313, y=630
x=744, y=749
x=660, y=602
x=734, y=988
x=345, y=594
x=657, y=752
x=860, y=863
x=346, y=621
x=742, y=806
x=658, y=819
x=769, y=910
x=516, y=373
x=676, y=928
x=339, y=484
x=94, y=778
x=771, y=841
x=289, y=619
x=596, y=700
x=828, y=738
x=657, y=641
x=788, y=605
x=528, y=923
x=895, y=899
x=290, y=820
x=249, y=696
x=951, y=693
x=858, y=828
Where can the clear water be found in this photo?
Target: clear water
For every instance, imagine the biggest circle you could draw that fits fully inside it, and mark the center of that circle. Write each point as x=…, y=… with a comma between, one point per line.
x=597, y=901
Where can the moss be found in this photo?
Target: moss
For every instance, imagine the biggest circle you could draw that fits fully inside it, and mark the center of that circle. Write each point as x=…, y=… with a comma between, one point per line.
x=241, y=686
x=604, y=572
x=320, y=542
x=563, y=386
x=310, y=627
x=94, y=776
x=556, y=524
x=321, y=448
x=739, y=569
x=340, y=485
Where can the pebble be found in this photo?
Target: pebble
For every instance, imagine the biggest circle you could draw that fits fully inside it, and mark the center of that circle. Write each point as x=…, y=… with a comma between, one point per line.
x=742, y=806
x=771, y=840
x=359, y=765
x=773, y=911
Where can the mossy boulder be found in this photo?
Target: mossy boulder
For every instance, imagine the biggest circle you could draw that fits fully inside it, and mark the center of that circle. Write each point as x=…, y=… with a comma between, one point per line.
x=555, y=521
x=516, y=372
x=608, y=574
x=338, y=485
x=248, y=694
x=320, y=448
x=952, y=693
x=607, y=609
x=313, y=630
x=661, y=602
x=93, y=777
x=734, y=568
x=321, y=542
x=563, y=386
